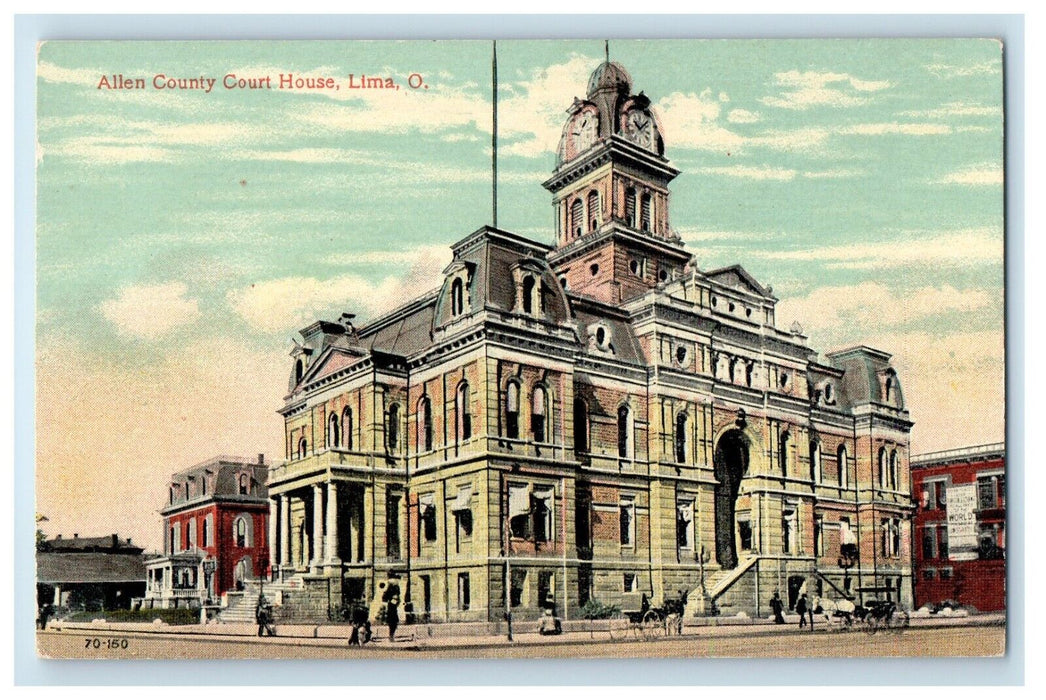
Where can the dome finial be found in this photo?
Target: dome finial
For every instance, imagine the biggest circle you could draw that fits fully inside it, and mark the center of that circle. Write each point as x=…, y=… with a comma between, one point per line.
x=606, y=49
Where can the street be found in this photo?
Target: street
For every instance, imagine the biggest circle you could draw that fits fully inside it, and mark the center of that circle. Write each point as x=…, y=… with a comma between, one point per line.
x=967, y=640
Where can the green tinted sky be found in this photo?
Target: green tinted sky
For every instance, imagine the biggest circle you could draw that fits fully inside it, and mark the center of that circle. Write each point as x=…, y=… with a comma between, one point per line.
x=183, y=237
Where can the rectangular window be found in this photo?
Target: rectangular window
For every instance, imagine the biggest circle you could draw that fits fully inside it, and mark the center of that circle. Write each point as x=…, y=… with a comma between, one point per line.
x=685, y=524
x=788, y=531
x=886, y=538
x=392, y=524
x=627, y=523
x=519, y=582
x=547, y=590
x=985, y=493
x=946, y=574
x=631, y=583
x=929, y=542
x=928, y=574
x=942, y=542
x=462, y=509
x=895, y=533
x=427, y=515
x=464, y=594
x=542, y=508
x=744, y=532
x=519, y=511
x=819, y=536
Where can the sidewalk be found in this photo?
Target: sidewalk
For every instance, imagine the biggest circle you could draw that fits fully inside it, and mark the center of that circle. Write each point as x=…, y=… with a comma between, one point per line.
x=438, y=636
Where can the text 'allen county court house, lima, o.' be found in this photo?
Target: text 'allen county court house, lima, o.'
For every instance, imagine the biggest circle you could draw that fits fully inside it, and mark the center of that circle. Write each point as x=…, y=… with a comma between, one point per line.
x=556, y=424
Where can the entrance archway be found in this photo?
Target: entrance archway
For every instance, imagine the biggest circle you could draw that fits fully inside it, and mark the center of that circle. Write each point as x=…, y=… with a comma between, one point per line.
x=731, y=464
x=242, y=573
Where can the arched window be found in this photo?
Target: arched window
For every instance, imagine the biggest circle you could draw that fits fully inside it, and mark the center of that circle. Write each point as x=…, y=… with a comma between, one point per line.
x=299, y=369
x=241, y=530
x=580, y=425
x=593, y=210
x=782, y=453
x=538, y=414
x=392, y=430
x=815, y=461
x=205, y=532
x=464, y=398
x=457, y=297
x=844, y=469
x=630, y=207
x=191, y=532
x=577, y=217
x=346, y=428
x=882, y=467
x=245, y=484
x=680, y=438
x=528, y=294
x=893, y=470
x=749, y=368
x=889, y=387
x=646, y=215
x=424, y=424
x=333, y=430
x=512, y=411
x=624, y=432
x=303, y=448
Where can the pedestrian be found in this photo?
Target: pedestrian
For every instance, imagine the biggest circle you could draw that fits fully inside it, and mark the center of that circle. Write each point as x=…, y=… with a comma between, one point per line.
x=801, y=607
x=45, y=614
x=392, y=608
x=264, y=617
x=778, y=607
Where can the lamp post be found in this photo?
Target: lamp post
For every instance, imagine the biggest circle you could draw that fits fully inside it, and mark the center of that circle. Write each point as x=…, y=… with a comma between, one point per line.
x=209, y=566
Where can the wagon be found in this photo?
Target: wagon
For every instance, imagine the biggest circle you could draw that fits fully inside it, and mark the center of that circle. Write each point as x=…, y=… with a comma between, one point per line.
x=882, y=615
x=639, y=620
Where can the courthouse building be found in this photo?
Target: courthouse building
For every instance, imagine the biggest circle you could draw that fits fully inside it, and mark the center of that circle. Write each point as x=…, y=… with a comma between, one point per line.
x=960, y=527
x=559, y=423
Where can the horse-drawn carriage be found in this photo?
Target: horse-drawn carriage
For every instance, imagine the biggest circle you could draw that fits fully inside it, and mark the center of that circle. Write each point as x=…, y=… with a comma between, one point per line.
x=641, y=620
x=872, y=615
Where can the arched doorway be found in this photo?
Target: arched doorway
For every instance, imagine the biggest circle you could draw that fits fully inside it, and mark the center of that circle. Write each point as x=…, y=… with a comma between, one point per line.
x=243, y=573
x=731, y=464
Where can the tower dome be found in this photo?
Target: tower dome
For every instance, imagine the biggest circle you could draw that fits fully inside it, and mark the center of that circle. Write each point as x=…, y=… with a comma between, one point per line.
x=609, y=74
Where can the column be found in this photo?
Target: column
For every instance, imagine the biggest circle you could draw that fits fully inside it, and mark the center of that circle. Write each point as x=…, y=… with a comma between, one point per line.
x=274, y=514
x=285, y=530
x=330, y=546
x=317, y=527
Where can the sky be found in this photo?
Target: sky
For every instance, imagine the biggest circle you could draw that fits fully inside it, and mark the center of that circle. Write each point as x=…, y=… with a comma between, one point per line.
x=184, y=236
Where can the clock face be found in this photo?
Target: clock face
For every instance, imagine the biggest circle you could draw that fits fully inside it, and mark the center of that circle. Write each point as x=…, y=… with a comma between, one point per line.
x=639, y=127
x=584, y=132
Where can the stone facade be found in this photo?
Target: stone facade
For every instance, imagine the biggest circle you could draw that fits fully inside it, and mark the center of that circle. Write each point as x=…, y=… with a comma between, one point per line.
x=556, y=424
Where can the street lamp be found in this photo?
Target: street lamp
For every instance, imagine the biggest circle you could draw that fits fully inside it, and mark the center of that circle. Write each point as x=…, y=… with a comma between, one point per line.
x=209, y=566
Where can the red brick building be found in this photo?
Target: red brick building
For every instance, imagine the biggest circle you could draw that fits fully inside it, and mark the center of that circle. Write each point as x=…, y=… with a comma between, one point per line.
x=960, y=527
x=215, y=533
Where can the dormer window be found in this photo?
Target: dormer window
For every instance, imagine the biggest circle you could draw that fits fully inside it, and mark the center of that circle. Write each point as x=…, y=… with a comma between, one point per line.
x=457, y=297
x=299, y=369
x=245, y=484
x=829, y=393
x=528, y=294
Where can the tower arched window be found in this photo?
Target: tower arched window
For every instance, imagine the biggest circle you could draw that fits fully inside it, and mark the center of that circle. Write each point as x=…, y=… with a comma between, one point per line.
x=882, y=467
x=782, y=452
x=392, y=430
x=889, y=387
x=424, y=424
x=844, y=470
x=245, y=485
x=303, y=447
x=528, y=294
x=580, y=425
x=346, y=428
x=630, y=207
x=539, y=414
x=457, y=297
x=893, y=470
x=512, y=411
x=299, y=369
x=593, y=210
x=624, y=432
x=815, y=461
x=333, y=431
x=242, y=530
x=577, y=217
x=464, y=413
x=681, y=438
x=646, y=217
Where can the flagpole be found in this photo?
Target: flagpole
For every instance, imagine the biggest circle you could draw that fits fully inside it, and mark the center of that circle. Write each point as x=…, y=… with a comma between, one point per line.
x=494, y=135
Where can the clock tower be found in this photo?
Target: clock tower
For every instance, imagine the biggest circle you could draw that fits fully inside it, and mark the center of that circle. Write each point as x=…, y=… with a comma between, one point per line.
x=610, y=193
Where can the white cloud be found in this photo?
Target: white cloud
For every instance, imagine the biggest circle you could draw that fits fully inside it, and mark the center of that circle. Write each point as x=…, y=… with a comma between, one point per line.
x=289, y=303
x=895, y=128
x=742, y=116
x=151, y=311
x=691, y=121
x=947, y=70
x=78, y=76
x=920, y=248
x=749, y=172
x=814, y=88
x=986, y=174
x=873, y=307
x=954, y=109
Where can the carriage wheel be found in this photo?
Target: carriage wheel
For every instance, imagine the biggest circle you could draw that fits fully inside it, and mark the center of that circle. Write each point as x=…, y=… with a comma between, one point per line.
x=617, y=627
x=848, y=623
x=900, y=622
x=653, y=625
x=871, y=624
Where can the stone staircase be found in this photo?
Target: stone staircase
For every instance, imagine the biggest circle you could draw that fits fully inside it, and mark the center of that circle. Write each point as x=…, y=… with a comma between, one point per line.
x=703, y=601
x=242, y=604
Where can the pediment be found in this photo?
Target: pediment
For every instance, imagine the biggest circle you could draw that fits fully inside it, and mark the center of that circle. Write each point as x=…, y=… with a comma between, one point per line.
x=737, y=277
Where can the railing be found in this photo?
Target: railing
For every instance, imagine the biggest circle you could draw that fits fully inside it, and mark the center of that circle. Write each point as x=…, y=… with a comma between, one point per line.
x=959, y=452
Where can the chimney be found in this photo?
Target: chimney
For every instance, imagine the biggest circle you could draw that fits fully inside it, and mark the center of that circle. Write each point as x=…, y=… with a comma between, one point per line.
x=76, y=535
x=116, y=541
x=59, y=536
x=261, y=458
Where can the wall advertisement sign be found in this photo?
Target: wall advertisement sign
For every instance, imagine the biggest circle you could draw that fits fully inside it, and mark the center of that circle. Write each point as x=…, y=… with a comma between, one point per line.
x=962, y=522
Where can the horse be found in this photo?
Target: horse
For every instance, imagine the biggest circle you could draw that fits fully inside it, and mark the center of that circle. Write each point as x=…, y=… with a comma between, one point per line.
x=844, y=610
